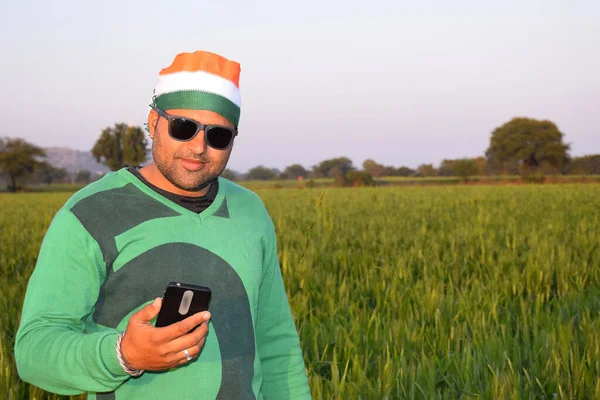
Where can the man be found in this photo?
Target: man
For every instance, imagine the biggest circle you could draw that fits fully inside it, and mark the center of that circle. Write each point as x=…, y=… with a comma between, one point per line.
x=88, y=317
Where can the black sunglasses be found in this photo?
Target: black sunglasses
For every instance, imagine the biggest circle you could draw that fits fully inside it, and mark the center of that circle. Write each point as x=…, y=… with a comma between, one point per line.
x=185, y=129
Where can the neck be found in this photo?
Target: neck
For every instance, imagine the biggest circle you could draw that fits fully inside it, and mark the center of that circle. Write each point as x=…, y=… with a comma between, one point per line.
x=155, y=177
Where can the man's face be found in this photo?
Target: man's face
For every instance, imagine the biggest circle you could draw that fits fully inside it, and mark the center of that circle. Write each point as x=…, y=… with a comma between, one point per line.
x=191, y=165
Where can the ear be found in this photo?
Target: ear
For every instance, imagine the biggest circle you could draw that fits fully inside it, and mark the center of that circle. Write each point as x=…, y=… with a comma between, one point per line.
x=152, y=119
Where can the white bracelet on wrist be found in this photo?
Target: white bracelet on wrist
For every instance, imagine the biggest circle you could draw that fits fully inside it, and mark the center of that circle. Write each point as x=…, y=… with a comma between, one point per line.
x=132, y=372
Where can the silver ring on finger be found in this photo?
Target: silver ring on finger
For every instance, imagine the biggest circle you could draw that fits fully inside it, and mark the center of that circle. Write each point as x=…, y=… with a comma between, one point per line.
x=187, y=355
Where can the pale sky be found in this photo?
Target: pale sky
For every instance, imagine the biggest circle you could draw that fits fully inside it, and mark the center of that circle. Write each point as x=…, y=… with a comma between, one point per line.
x=401, y=82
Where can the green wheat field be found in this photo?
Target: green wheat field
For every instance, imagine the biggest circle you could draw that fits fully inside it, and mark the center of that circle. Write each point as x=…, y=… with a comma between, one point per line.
x=463, y=292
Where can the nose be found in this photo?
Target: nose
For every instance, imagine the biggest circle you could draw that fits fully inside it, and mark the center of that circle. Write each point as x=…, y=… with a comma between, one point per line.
x=198, y=143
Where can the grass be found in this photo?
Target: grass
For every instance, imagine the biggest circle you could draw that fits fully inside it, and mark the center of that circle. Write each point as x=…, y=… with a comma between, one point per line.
x=451, y=292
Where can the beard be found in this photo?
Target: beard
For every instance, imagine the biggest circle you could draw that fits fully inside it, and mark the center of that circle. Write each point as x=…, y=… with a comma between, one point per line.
x=184, y=179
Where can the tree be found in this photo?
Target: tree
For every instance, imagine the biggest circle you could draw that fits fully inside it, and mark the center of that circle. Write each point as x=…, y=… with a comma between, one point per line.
x=276, y=171
x=18, y=159
x=83, y=176
x=482, y=165
x=359, y=178
x=355, y=178
x=446, y=168
x=334, y=167
x=230, y=174
x=336, y=172
x=120, y=146
x=511, y=167
x=43, y=173
x=531, y=142
x=261, y=173
x=46, y=173
x=465, y=167
x=373, y=168
x=294, y=171
x=426, y=170
x=400, y=171
x=586, y=165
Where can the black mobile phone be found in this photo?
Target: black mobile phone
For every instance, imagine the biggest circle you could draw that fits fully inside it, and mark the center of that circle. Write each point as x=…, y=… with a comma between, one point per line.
x=182, y=300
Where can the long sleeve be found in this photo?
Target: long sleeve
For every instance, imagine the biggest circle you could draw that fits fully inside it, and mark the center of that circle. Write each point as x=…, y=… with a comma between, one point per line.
x=52, y=351
x=284, y=375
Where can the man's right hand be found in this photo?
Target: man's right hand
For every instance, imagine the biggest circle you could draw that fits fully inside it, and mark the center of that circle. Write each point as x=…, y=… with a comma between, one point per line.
x=155, y=349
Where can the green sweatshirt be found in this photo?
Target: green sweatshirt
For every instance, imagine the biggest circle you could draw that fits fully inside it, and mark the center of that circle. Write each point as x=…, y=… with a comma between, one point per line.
x=113, y=248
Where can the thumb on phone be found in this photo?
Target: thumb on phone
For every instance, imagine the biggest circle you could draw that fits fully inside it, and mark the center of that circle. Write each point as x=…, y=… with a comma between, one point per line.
x=148, y=312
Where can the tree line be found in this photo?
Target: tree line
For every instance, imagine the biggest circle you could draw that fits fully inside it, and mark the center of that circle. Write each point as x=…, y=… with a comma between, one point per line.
x=463, y=168
x=522, y=146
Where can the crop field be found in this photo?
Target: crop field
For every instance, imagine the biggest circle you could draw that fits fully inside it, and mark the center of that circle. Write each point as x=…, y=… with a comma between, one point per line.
x=451, y=292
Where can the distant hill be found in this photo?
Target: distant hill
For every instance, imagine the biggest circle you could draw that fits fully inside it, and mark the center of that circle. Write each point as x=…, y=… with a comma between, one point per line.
x=73, y=160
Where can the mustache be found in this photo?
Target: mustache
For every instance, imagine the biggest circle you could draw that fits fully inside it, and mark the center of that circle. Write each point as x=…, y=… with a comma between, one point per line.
x=192, y=156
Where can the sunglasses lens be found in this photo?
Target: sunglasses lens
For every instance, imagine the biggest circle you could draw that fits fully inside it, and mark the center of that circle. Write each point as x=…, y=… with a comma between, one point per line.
x=219, y=138
x=182, y=129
